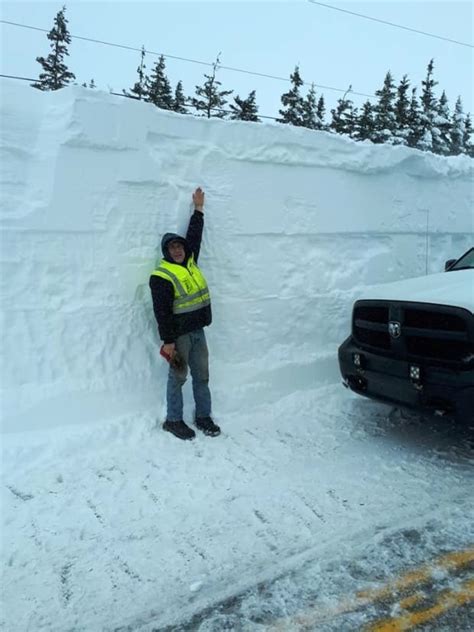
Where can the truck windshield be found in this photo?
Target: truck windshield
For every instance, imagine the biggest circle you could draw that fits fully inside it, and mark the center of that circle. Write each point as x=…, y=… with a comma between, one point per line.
x=465, y=262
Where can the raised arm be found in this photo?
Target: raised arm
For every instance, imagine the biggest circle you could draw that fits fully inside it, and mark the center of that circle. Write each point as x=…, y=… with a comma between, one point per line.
x=196, y=223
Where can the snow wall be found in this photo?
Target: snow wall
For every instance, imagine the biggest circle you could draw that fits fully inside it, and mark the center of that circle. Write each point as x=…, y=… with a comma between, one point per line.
x=297, y=222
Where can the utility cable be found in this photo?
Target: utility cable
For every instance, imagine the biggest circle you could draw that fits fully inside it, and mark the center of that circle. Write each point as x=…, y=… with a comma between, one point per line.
x=193, y=61
x=398, y=26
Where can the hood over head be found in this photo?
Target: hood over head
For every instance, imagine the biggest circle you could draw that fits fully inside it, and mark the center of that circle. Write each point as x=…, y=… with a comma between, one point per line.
x=167, y=238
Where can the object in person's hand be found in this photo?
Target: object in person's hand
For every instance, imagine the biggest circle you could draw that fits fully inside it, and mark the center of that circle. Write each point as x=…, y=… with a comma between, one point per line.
x=166, y=356
x=176, y=361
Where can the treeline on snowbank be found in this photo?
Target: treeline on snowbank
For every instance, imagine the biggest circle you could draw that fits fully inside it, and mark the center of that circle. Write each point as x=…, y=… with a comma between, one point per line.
x=400, y=116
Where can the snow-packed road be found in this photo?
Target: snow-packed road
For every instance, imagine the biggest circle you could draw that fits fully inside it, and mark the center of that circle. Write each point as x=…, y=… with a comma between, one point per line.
x=418, y=577
x=123, y=527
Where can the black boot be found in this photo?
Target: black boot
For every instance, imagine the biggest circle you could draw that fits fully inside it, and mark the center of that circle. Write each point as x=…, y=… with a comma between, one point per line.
x=179, y=429
x=208, y=426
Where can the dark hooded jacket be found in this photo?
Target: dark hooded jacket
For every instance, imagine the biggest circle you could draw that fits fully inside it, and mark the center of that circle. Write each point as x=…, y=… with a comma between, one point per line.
x=170, y=325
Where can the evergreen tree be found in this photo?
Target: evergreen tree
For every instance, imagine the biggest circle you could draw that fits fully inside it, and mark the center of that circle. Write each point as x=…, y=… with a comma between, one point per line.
x=458, y=129
x=428, y=98
x=430, y=132
x=310, y=110
x=467, y=143
x=344, y=116
x=365, y=126
x=414, y=121
x=321, y=113
x=352, y=121
x=179, y=101
x=441, y=143
x=213, y=98
x=385, y=118
x=56, y=74
x=402, y=113
x=139, y=90
x=158, y=87
x=293, y=112
x=245, y=109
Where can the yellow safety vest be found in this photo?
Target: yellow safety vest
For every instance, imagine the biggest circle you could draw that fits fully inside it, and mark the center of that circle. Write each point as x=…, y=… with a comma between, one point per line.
x=190, y=287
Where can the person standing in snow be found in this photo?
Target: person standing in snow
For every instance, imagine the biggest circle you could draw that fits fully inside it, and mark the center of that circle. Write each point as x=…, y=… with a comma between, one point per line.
x=182, y=307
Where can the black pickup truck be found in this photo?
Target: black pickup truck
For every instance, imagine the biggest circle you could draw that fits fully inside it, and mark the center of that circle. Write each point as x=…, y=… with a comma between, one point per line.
x=412, y=342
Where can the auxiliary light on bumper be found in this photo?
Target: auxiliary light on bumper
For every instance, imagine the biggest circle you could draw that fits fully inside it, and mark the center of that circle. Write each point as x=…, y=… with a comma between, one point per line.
x=415, y=377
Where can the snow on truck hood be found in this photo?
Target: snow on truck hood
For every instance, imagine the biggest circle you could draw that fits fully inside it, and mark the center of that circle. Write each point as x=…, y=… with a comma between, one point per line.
x=446, y=288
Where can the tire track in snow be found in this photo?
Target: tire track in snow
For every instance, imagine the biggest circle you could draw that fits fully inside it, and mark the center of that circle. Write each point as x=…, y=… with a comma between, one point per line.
x=94, y=510
x=117, y=563
x=66, y=590
x=311, y=509
x=343, y=502
x=125, y=568
x=21, y=495
x=150, y=493
x=267, y=534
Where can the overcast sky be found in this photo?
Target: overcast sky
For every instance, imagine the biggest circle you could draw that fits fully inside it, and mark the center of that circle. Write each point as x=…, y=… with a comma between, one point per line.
x=332, y=48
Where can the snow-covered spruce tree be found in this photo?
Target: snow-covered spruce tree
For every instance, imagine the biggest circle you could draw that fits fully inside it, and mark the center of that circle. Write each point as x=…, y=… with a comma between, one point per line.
x=321, y=113
x=414, y=121
x=458, y=129
x=467, y=141
x=352, y=120
x=179, y=101
x=364, y=125
x=140, y=88
x=344, y=116
x=310, y=110
x=442, y=121
x=158, y=87
x=245, y=109
x=384, y=112
x=402, y=113
x=429, y=106
x=293, y=103
x=212, y=98
x=56, y=74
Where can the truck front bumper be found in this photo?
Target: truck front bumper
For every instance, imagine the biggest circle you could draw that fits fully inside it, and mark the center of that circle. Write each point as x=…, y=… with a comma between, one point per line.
x=416, y=385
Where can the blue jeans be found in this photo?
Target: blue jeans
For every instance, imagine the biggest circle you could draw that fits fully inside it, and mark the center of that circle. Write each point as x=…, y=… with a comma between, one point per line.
x=194, y=351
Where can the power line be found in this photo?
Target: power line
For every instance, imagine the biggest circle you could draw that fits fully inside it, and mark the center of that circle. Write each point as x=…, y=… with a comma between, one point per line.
x=15, y=77
x=193, y=61
x=398, y=26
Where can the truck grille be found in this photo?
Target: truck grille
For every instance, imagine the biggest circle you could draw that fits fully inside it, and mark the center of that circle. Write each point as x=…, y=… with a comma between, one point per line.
x=418, y=330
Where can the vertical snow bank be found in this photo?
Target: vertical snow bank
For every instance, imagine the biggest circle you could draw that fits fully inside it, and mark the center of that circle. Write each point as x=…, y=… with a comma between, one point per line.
x=296, y=221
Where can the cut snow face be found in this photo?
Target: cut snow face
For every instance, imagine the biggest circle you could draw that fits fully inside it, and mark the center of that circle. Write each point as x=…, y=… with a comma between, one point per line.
x=296, y=221
x=111, y=523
